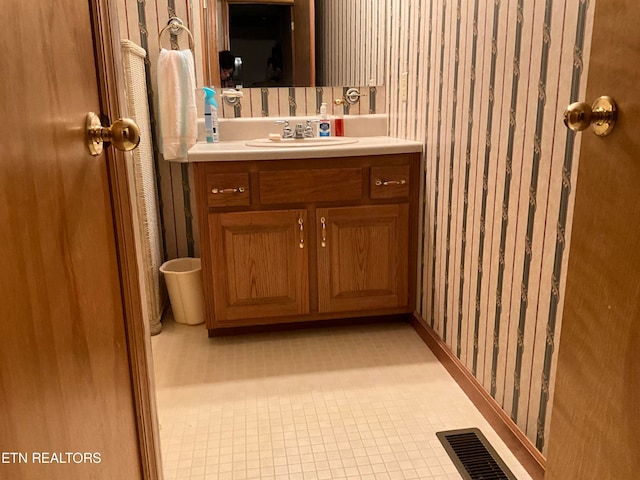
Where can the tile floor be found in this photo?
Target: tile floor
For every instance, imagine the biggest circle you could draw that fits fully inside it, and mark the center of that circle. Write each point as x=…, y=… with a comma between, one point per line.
x=353, y=402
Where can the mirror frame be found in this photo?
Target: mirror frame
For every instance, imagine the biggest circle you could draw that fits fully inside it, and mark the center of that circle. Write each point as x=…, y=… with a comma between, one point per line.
x=304, y=18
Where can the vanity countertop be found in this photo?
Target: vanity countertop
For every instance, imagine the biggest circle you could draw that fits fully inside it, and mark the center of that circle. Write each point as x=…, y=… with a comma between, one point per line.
x=238, y=150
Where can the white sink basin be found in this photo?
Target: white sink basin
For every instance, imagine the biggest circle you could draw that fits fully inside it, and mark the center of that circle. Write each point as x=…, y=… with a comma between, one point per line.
x=303, y=142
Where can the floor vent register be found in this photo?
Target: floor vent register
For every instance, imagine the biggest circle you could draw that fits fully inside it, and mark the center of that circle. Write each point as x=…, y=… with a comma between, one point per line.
x=473, y=456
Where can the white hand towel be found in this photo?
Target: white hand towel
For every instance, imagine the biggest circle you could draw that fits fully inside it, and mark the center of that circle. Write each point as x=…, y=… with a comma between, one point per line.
x=177, y=103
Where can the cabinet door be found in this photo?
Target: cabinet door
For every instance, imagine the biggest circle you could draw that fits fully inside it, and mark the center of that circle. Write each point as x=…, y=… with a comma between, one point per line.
x=362, y=257
x=260, y=266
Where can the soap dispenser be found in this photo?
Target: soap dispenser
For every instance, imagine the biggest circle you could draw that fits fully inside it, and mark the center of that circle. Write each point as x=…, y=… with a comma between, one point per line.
x=324, y=127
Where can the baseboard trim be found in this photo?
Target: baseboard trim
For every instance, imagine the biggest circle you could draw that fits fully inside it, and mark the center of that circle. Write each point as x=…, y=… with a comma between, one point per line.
x=522, y=448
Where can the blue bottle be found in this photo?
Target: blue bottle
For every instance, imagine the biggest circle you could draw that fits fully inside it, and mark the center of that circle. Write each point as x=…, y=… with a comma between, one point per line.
x=210, y=115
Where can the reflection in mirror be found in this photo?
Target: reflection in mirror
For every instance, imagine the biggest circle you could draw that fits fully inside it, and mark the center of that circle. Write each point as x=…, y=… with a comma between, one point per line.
x=255, y=28
x=350, y=42
x=309, y=42
x=261, y=37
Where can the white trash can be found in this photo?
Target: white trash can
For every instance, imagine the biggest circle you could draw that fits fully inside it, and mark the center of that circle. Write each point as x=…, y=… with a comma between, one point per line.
x=184, y=283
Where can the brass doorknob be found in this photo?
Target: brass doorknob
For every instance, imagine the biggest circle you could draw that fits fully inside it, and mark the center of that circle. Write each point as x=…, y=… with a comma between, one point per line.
x=123, y=134
x=601, y=115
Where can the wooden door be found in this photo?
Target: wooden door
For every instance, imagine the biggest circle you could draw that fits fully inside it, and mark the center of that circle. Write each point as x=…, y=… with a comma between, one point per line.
x=67, y=392
x=595, y=425
x=287, y=47
x=362, y=257
x=260, y=266
x=304, y=44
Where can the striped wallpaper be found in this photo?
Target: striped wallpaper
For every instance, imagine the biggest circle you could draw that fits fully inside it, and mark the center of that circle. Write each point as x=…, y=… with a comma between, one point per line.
x=301, y=101
x=488, y=82
x=141, y=21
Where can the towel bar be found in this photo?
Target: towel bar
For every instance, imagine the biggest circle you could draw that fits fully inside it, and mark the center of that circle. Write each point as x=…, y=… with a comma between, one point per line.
x=176, y=26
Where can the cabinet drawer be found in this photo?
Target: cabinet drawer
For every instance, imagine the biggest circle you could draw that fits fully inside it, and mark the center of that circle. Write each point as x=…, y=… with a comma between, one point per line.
x=316, y=185
x=228, y=189
x=389, y=182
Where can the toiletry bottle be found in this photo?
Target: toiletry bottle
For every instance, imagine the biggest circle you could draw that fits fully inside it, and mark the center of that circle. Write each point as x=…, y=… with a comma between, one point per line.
x=324, y=127
x=338, y=123
x=210, y=115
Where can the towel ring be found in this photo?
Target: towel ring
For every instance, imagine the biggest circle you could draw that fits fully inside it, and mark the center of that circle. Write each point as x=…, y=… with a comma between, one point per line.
x=176, y=26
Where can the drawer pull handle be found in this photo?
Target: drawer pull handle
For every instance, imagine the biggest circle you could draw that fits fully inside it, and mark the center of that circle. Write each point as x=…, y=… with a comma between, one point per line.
x=386, y=183
x=227, y=190
x=323, y=221
x=301, y=223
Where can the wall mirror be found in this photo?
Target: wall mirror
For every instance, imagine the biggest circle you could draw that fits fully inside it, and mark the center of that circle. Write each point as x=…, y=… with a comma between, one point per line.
x=284, y=43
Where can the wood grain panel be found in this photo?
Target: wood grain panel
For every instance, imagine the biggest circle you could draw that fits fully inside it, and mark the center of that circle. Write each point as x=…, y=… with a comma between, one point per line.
x=266, y=271
x=396, y=179
x=68, y=318
x=364, y=261
x=304, y=50
x=233, y=189
x=111, y=78
x=594, y=429
x=313, y=185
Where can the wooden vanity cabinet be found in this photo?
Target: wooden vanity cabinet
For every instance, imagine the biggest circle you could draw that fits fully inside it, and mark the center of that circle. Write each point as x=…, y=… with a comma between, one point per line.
x=311, y=239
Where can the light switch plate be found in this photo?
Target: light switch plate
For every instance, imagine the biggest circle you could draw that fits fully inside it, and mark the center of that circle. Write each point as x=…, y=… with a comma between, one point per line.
x=404, y=85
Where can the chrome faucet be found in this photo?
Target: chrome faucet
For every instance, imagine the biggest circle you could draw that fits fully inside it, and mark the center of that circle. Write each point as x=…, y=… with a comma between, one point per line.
x=287, y=132
x=308, y=130
x=301, y=131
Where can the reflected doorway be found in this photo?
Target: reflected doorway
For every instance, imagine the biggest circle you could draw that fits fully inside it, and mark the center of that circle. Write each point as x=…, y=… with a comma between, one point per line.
x=260, y=35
